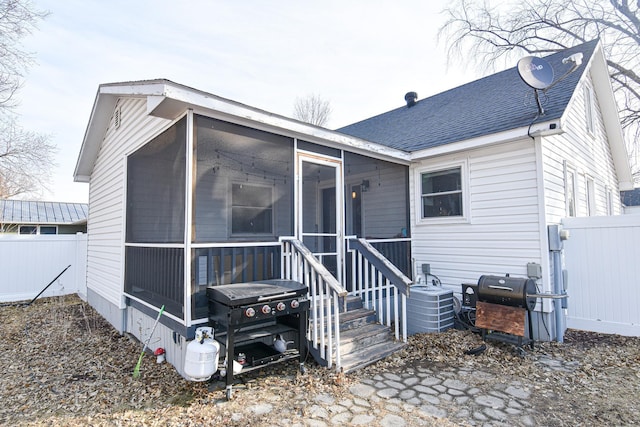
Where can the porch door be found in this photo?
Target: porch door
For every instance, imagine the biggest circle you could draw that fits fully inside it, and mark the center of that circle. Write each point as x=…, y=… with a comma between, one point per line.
x=320, y=218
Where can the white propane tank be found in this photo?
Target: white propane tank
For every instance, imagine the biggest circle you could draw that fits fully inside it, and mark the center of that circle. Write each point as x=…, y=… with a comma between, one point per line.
x=201, y=360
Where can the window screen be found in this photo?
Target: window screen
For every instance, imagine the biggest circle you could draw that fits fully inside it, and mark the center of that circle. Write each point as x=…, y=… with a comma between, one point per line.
x=442, y=193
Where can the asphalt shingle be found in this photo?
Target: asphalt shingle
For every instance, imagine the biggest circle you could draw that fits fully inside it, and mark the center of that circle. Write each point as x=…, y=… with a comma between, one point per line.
x=493, y=104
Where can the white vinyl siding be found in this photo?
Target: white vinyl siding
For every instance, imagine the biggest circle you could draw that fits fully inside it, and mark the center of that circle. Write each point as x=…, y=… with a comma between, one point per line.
x=105, y=226
x=502, y=233
x=589, y=155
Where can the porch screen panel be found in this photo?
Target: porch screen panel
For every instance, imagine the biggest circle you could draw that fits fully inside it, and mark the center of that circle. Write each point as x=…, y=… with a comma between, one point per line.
x=156, y=189
x=243, y=183
x=377, y=202
x=156, y=275
x=377, y=206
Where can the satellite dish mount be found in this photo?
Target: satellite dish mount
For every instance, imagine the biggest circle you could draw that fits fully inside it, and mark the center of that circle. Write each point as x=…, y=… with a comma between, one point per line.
x=536, y=73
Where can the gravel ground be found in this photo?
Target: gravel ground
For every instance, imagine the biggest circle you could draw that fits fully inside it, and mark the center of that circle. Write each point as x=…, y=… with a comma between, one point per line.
x=62, y=364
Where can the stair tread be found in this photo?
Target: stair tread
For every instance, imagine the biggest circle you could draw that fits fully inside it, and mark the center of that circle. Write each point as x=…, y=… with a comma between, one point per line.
x=365, y=330
x=354, y=314
x=369, y=355
x=351, y=315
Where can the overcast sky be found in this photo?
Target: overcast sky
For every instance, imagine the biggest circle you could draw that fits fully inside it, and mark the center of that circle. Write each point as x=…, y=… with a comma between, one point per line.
x=360, y=55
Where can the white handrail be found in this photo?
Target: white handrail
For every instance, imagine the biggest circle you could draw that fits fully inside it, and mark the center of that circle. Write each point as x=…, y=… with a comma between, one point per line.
x=299, y=263
x=377, y=290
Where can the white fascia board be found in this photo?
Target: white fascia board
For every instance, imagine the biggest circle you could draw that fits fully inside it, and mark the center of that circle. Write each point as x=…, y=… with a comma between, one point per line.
x=178, y=98
x=538, y=129
x=611, y=119
x=96, y=128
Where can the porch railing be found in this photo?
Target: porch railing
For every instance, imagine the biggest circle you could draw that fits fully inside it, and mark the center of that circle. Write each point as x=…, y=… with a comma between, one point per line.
x=379, y=283
x=325, y=292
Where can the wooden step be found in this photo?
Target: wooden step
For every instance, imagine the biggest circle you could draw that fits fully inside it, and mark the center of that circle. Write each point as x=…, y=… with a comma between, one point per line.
x=363, y=340
x=353, y=303
x=368, y=355
x=354, y=318
x=366, y=335
x=357, y=318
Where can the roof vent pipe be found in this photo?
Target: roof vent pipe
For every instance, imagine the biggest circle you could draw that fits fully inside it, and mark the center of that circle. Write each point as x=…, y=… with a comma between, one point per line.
x=411, y=98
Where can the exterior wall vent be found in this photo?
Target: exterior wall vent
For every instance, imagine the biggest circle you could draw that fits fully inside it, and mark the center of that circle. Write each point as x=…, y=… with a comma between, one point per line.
x=117, y=117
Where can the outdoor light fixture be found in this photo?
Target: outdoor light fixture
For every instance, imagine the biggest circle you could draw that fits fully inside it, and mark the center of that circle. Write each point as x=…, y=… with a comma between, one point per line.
x=365, y=185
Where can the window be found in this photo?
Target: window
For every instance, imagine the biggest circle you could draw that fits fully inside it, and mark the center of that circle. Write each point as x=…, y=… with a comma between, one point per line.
x=588, y=109
x=48, y=229
x=251, y=209
x=570, y=191
x=442, y=193
x=591, y=196
x=38, y=229
x=28, y=229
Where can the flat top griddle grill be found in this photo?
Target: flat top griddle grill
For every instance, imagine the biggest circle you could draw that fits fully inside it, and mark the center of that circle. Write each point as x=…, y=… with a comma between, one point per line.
x=250, y=313
x=250, y=293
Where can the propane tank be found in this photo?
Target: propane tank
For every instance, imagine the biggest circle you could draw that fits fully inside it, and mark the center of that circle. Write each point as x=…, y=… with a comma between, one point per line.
x=201, y=359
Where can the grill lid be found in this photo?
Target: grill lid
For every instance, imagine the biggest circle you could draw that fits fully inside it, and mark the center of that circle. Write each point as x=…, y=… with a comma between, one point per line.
x=253, y=292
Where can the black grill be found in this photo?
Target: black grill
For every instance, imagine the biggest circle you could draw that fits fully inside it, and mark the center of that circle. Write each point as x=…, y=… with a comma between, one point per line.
x=247, y=316
x=505, y=290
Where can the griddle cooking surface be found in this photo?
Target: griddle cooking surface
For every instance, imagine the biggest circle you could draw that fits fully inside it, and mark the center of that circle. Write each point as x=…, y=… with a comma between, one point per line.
x=249, y=293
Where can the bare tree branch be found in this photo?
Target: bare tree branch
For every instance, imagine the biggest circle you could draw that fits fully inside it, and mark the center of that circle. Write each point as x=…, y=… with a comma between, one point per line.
x=26, y=158
x=25, y=161
x=312, y=109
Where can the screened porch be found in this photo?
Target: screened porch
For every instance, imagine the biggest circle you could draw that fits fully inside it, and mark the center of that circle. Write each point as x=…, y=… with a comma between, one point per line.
x=208, y=203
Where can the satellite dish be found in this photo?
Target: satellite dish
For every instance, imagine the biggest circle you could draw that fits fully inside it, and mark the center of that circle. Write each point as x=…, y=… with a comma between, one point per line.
x=536, y=72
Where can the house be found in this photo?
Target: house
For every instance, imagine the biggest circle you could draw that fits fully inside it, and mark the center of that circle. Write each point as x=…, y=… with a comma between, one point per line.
x=631, y=200
x=35, y=217
x=190, y=190
x=490, y=172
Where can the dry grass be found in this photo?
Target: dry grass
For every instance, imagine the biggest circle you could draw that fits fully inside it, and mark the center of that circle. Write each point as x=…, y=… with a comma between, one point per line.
x=62, y=364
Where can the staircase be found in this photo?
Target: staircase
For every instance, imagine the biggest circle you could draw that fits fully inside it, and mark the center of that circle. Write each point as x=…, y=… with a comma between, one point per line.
x=363, y=340
x=342, y=332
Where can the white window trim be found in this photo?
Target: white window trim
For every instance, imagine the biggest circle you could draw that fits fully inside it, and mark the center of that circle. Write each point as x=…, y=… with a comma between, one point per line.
x=54, y=226
x=464, y=178
x=569, y=168
x=589, y=110
x=609, y=195
x=590, y=194
x=37, y=227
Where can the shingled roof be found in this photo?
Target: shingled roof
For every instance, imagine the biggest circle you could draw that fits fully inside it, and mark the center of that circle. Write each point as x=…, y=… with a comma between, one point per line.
x=493, y=104
x=31, y=212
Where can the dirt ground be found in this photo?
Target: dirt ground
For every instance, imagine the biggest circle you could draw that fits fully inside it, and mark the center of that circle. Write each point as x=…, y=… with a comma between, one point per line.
x=62, y=364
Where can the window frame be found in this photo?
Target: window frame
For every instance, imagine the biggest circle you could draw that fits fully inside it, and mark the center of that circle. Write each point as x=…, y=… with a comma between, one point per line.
x=589, y=110
x=568, y=169
x=590, y=195
x=464, y=191
x=30, y=227
x=231, y=205
x=609, y=195
x=54, y=227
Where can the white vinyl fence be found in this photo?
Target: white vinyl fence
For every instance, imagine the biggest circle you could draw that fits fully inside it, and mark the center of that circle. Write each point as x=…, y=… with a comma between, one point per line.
x=28, y=263
x=602, y=257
